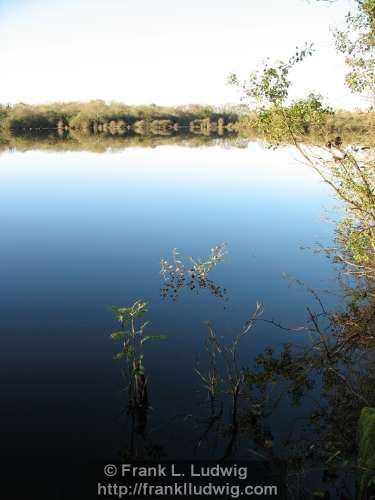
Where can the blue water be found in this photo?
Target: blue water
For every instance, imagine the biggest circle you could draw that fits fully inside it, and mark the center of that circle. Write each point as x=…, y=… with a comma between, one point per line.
x=81, y=230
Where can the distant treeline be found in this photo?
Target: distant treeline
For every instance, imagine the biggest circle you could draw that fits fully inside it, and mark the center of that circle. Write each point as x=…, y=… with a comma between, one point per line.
x=99, y=116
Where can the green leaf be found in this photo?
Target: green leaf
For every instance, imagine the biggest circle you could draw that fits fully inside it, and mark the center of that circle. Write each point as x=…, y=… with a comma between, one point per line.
x=143, y=326
x=118, y=335
x=119, y=356
x=140, y=370
x=126, y=314
x=117, y=310
x=138, y=309
x=153, y=337
x=129, y=350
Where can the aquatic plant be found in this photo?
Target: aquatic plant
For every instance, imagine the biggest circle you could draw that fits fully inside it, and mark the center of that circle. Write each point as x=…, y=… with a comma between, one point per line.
x=366, y=455
x=222, y=376
x=132, y=338
x=131, y=335
x=196, y=276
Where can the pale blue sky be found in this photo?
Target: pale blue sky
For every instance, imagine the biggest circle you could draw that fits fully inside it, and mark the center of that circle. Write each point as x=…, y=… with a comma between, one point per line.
x=166, y=52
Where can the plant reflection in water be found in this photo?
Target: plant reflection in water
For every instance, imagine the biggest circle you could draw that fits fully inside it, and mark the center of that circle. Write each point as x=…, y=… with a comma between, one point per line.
x=195, y=277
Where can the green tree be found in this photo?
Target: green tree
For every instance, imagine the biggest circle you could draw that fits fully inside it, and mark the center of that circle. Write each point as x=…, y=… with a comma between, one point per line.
x=357, y=43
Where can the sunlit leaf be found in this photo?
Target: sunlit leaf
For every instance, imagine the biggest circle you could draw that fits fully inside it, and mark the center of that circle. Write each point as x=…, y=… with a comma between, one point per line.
x=153, y=337
x=118, y=335
x=119, y=356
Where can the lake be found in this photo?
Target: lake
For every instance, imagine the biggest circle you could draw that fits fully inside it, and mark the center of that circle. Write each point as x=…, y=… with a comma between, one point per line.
x=81, y=231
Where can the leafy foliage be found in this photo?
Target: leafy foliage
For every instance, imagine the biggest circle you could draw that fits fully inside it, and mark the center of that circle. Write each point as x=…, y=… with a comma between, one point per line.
x=303, y=116
x=357, y=43
x=349, y=171
x=366, y=457
x=268, y=88
x=132, y=335
x=271, y=83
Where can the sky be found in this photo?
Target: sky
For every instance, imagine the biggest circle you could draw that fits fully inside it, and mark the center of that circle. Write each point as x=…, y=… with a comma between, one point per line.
x=164, y=52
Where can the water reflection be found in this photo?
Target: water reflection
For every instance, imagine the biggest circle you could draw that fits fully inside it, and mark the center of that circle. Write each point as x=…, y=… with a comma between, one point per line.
x=114, y=140
x=330, y=377
x=195, y=277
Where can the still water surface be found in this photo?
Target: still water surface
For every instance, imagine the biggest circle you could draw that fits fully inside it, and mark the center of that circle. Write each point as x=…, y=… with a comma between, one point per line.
x=80, y=231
